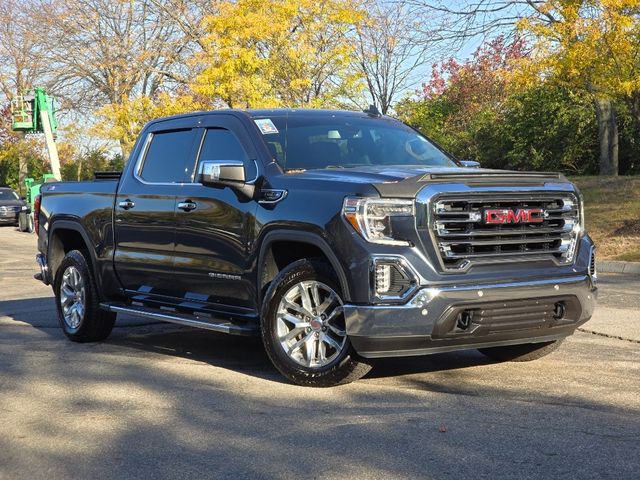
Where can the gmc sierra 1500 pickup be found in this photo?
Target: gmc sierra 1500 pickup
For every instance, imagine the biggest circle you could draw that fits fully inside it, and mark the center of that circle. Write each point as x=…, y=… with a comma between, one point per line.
x=336, y=236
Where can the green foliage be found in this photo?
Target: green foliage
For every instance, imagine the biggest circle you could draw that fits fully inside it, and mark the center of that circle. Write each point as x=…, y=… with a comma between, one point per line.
x=548, y=128
x=85, y=165
x=629, y=141
x=543, y=128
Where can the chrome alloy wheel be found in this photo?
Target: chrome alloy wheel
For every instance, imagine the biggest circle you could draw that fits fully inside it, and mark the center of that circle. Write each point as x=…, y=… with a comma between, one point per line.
x=310, y=324
x=72, y=297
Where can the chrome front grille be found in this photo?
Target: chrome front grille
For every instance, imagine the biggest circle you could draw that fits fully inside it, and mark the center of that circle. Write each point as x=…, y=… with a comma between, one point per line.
x=11, y=209
x=463, y=235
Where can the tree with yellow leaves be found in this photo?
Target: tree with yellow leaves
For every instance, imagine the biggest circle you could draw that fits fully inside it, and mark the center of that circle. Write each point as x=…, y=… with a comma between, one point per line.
x=289, y=53
x=123, y=121
x=592, y=45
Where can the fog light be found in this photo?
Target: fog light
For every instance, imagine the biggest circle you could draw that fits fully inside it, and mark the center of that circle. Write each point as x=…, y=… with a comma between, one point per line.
x=391, y=280
x=383, y=278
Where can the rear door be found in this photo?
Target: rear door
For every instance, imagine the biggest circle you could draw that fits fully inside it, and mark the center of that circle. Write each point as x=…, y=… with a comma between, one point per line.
x=145, y=223
x=212, y=265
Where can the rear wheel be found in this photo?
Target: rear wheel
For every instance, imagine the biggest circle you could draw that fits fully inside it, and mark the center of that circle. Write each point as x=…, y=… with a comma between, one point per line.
x=521, y=353
x=79, y=313
x=303, y=327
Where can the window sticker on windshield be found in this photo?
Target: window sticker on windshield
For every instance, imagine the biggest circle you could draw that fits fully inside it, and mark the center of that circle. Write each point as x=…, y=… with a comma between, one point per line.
x=266, y=126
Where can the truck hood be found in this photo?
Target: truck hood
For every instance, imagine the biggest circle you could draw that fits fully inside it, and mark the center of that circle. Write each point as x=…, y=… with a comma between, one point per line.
x=404, y=181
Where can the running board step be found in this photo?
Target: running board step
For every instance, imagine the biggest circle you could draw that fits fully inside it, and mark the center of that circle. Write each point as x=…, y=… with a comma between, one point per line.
x=204, y=322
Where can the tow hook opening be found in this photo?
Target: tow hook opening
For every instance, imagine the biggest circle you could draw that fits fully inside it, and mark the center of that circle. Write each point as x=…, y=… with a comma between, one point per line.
x=464, y=319
x=559, y=310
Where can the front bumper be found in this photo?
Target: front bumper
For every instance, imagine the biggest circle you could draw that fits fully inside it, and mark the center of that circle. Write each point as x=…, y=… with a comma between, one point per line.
x=9, y=217
x=496, y=314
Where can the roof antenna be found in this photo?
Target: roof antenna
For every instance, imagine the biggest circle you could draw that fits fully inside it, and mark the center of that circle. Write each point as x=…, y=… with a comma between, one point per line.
x=373, y=110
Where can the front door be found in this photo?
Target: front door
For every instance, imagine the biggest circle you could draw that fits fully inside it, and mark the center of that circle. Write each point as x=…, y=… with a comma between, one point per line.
x=145, y=223
x=211, y=262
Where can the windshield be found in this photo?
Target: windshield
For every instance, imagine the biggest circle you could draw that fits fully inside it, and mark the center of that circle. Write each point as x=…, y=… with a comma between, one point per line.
x=6, y=194
x=334, y=141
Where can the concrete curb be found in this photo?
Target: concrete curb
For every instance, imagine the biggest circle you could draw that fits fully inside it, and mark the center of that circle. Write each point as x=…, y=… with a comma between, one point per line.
x=610, y=266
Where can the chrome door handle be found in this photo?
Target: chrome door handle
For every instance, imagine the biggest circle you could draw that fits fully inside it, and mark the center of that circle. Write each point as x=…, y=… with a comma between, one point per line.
x=126, y=204
x=187, y=206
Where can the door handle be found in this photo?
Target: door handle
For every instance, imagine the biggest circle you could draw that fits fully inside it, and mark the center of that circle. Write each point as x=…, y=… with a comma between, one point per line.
x=187, y=206
x=126, y=204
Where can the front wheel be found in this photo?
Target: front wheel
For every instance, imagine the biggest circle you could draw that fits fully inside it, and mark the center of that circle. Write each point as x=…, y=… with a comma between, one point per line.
x=521, y=353
x=22, y=222
x=79, y=312
x=303, y=327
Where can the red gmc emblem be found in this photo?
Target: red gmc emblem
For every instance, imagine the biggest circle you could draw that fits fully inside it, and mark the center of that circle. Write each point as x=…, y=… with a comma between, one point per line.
x=501, y=216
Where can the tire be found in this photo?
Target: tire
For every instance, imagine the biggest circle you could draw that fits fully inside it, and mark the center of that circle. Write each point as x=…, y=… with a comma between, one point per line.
x=521, y=353
x=79, y=313
x=30, y=223
x=22, y=222
x=304, y=335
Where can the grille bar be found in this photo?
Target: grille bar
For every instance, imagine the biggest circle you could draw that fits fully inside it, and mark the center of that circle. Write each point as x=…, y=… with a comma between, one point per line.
x=504, y=241
x=492, y=232
x=501, y=254
x=463, y=235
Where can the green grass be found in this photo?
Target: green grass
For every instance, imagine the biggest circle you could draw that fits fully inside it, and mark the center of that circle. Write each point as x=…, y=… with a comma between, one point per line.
x=612, y=214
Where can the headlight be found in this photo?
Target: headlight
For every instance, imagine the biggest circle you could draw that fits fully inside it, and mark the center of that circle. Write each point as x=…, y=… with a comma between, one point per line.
x=371, y=217
x=24, y=208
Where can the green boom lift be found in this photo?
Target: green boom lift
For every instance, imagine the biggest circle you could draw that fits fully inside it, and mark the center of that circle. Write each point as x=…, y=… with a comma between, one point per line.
x=36, y=114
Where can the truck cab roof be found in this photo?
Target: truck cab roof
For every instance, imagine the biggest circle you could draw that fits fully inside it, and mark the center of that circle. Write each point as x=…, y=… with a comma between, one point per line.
x=272, y=112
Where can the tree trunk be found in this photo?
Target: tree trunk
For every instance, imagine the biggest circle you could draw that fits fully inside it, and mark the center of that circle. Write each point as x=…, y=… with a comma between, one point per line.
x=125, y=151
x=607, y=136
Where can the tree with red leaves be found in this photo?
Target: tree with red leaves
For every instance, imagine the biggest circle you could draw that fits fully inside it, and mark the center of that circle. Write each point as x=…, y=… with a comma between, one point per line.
x=479, y=83
x=475, y=110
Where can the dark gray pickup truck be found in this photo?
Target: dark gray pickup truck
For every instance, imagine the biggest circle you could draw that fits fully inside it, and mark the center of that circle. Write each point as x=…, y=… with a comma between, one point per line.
x=336, y=236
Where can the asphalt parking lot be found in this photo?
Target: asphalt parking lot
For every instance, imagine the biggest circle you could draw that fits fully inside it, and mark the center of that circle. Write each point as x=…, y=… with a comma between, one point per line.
x=160, y=401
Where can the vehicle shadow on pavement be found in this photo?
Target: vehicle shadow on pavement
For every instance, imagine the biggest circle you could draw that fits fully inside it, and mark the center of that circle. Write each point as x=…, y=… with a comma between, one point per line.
x=148, y=397
x=437, y=362
x=247, y=355
x=242, y=354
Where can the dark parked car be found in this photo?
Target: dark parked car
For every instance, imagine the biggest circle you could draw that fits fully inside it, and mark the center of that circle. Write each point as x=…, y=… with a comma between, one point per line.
x=336, y=236
x=10, y=206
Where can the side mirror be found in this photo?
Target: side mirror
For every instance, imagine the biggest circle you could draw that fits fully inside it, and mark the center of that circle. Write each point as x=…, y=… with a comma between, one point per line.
x=226, y=173
x=222, y=172
x=24, y=199
x=470, y=163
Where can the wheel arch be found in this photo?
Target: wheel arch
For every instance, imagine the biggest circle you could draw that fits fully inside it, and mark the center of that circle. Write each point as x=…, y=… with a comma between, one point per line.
x=282, y=247
x=65, y=236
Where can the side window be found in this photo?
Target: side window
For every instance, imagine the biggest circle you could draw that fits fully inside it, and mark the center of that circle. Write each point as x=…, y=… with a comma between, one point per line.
x=222, y=144
x=167, y=157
